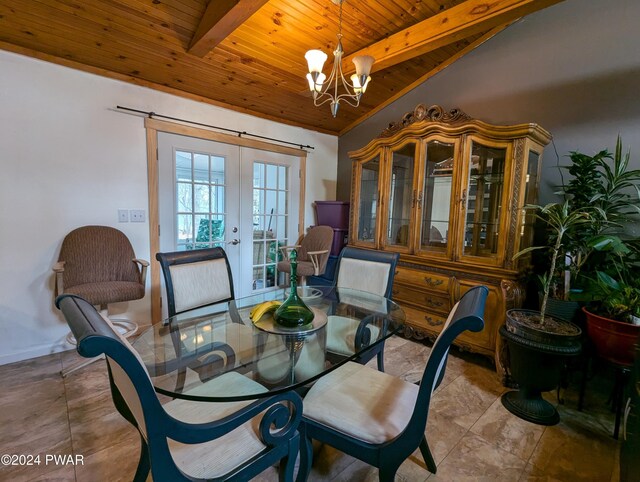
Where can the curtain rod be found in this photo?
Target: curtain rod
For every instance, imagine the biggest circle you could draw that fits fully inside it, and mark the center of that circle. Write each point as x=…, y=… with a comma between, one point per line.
x=238, y=133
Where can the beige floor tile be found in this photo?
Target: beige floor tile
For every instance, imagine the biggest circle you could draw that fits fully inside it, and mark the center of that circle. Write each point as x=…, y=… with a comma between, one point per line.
x=466, y=398
x=406, y=361
x=533, y=474
x=77, y=413
x=328, y=463
x=34, y=370
x=443, y=434
x=474, y=459
x=508, y=432
x=116, y=462
x=42, y=473
x=578, y=448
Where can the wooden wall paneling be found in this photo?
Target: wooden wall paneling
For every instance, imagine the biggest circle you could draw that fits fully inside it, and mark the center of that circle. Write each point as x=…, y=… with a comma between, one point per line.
x=165, y=11
x=112, y=16
x=259, y=69
x=128, y=64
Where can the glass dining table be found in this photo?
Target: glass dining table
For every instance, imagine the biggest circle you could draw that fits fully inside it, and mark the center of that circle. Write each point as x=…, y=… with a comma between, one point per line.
x=219, y=354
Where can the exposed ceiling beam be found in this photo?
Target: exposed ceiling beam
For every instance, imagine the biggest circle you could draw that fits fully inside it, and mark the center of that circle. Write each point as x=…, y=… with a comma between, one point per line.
x=425, y=77
x=451, y=25
x=220, y=19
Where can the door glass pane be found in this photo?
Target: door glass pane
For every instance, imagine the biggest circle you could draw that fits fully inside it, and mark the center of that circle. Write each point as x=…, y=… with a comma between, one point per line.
x=530, y=195
x=368, y=200
x=401, y=195
x=437, y=196
x=201, y=198
x=201, y=167
x=270, y=218
x=199, y=205
x=483, y=200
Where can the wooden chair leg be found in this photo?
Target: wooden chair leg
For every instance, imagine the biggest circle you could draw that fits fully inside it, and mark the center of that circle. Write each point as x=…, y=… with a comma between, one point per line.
x=426, y=455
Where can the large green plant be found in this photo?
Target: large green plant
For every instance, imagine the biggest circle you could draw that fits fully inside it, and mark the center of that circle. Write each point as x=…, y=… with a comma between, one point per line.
x=603, y=186
x=559, y=220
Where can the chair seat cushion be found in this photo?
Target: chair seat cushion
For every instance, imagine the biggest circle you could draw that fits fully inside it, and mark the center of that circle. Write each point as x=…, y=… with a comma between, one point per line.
x=220, y=456
x=106, y=292
x=362, y=403
x=305, y=268
x=341, y=334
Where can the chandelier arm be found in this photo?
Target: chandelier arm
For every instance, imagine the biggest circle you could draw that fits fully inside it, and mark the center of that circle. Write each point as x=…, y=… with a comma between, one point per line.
x=346, y=98
x=316, y=101
x=328, y=81
x=348, y=86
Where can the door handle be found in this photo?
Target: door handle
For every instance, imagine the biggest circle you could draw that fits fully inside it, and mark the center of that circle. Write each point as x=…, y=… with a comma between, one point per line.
x=234, y=241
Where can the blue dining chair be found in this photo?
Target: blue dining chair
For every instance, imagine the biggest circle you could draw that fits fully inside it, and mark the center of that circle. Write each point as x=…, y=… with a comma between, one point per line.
x=185, y=440
x=378, y=418
x=195, y=279
x=362, y=270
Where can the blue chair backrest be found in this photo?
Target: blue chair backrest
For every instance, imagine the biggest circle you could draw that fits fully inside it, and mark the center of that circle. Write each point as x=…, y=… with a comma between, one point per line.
x=366, y=270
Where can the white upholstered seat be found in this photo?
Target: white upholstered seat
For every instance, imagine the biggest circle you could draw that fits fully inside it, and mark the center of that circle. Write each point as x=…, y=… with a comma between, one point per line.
x=233, y=449
x=376, y=417
x=374, y=407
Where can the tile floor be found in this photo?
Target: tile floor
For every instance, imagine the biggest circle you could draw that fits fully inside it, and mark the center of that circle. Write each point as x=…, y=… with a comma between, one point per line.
x=472, y=437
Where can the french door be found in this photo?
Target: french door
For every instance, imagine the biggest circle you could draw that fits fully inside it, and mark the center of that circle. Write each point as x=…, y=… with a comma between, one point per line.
x=242, y=199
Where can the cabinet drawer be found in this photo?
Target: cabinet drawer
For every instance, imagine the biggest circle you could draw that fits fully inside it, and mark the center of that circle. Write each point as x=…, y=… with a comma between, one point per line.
x=423, y=279
x=425, y=320
x=421, y=299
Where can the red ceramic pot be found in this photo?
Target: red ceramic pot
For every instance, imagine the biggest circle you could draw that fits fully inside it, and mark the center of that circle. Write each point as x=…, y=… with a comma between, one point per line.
x=614, y=340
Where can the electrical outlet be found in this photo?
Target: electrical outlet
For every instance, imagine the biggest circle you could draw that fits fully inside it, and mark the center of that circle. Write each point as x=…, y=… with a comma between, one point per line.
x=123, y=216
x=137, y=215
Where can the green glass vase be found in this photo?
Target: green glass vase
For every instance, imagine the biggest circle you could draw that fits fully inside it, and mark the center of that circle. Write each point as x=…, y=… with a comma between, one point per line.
x=293, y=313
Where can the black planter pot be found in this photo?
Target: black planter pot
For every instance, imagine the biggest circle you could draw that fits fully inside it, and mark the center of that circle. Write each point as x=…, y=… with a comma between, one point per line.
x=537, y=358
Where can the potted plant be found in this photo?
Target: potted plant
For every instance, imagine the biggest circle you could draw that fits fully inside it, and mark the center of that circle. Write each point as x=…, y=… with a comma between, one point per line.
x=613, y=318
x=539, y=343
x=605, y=259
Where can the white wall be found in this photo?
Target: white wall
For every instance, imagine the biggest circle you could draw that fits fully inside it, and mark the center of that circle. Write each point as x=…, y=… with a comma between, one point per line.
x=68, y=159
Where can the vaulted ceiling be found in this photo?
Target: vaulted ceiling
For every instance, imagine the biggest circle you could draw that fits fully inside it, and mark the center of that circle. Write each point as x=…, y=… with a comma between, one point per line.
x=248, y=55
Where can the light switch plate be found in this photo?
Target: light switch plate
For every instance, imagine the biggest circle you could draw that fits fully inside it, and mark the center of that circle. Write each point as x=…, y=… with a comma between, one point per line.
x=137, y=215
x=123, y=216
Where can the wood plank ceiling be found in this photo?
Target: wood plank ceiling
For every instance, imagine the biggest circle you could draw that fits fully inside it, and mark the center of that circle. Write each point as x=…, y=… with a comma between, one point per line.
x=248, y=55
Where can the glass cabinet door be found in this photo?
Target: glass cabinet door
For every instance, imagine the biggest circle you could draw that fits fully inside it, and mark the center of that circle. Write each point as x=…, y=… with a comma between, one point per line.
x=401, y=195
x=530, y=197
x=436, y=196
x=368, y=200
x=482, y=197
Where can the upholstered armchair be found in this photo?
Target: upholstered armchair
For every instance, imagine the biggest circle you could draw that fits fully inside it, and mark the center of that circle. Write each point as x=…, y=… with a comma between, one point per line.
x=98, y=263
x=313, y=252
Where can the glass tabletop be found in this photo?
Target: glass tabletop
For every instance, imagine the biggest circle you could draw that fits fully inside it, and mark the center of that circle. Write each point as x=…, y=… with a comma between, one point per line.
x=217, y=353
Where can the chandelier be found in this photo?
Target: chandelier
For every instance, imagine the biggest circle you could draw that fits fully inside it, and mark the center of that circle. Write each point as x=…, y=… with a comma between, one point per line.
x=326, y=89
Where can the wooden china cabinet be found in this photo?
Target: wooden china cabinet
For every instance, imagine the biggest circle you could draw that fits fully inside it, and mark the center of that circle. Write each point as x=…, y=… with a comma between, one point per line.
x=447, y=192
